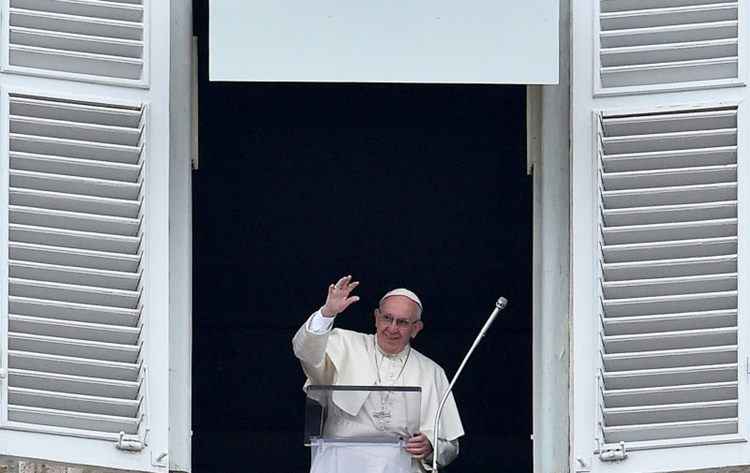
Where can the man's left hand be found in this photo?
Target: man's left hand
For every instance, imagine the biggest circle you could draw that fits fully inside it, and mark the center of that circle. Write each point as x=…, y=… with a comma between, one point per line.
x=419, y=446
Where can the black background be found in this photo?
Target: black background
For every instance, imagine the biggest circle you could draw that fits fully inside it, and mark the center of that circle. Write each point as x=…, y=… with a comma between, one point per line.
x=422, y=186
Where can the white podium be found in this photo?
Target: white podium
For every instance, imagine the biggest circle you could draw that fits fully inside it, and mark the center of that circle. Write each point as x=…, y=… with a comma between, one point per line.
x=361, y=429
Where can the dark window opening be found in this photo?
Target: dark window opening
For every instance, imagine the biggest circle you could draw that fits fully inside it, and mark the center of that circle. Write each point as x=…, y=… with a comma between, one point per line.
x=401, y=185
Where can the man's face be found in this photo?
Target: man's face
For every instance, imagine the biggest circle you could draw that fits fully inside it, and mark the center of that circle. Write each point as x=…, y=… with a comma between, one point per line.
x=396, y=322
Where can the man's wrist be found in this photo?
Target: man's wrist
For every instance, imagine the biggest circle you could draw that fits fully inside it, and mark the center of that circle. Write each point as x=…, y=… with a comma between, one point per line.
x=325, y=313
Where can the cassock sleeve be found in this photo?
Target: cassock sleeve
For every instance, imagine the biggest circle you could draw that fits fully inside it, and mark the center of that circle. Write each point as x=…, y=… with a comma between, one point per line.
x=450, y=422
x=310, y=348
x=448, y=453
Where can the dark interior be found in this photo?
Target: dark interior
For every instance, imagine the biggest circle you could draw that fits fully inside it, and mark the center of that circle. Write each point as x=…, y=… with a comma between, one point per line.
x=422, y=186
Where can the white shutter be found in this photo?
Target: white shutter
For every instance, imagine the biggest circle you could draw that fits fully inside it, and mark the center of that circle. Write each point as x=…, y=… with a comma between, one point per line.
x=87, y=39
x=84, y=233
x=657, y=42
x=75, y=265
x=669, y=275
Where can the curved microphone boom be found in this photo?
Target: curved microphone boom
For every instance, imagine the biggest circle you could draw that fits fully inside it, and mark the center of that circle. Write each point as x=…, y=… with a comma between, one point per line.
x=499, y=305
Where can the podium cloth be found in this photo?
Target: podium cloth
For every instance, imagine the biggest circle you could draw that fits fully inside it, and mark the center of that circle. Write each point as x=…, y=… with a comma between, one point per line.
x=344, y=357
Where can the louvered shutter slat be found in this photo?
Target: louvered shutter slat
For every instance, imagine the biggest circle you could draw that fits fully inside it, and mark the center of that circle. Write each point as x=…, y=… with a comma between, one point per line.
x=73, y=24
x=656, y=53
x=658, y=73
x=73, y=402
x=655, y=359
x=77, y=221
x=649, y=378
x=71, y=275
x=73, y=293
x=626, y=5
x=75, y=148
x=75, y=167
x=672, y=430
x=77, y=185
x=65, y=310
x=74, y=130
x=78, y=62
x=671, y=340
x=74, y=202
x=670, y=140
x=670, y=195
x=73, y=347
x=668, y=258
x=92, y=8
x=670, y=159
x=72, y=420
x=642, y=126
x=652, y=43
x=89, y=38
x=62, y=256
x=670, y=303
x=670, y=268
x=668, y=234
x=669, y=322
x=670, y=213
x=76, y=42
x=73, y=329
x=75, y=260
x=659, y=286
x=76, y=112
x=75, y=239
x=59, y=364
x=670, y=177
x=670, y=249
x=677, y=15
x=672, y=394
x=669, y=34
x=73, y=384
x=671, y=412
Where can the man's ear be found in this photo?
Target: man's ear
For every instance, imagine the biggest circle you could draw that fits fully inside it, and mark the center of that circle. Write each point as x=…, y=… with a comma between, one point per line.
x=417, y=328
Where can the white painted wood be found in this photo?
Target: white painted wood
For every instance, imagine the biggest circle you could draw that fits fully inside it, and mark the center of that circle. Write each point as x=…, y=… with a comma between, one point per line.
x=657, y=272
x=644, y=45
x=551, y=336
x=85, y=229
x=86, y=40
x=183, y=149
x=433, y=41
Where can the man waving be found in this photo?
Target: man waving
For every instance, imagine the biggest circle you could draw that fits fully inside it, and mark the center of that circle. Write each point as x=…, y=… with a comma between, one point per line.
x=335, y=356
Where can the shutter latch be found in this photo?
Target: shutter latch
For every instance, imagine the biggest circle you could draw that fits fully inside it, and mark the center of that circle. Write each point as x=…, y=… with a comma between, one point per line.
x=613, y=453
x=129, y=443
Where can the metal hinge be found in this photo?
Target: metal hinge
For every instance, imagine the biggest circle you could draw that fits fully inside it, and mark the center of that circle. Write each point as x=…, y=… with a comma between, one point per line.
x=129, y=443
x=613, y=453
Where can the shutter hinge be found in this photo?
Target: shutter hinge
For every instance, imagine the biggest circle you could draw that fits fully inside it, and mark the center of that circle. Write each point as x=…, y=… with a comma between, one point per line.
x=129, y=443
x=613, y=453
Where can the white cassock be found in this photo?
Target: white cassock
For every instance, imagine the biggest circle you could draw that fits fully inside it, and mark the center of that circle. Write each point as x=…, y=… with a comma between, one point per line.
x=344, y=357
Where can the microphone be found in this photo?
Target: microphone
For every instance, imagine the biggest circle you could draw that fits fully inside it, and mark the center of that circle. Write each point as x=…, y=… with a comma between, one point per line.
x=499, y=305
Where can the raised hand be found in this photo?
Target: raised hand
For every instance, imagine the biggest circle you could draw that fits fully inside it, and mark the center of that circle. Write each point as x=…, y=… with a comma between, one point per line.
x=339, y=298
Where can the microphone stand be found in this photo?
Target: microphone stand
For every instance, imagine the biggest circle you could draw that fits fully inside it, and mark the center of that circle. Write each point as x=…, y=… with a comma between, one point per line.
x=499, y=305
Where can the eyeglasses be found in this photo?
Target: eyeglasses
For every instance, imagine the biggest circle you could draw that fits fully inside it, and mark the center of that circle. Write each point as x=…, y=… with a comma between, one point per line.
x=400, y=323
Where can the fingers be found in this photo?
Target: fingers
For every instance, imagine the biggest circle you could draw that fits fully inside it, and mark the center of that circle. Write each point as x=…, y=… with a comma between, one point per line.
x=350, y=301
x=344, y=284
x=419, y=446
